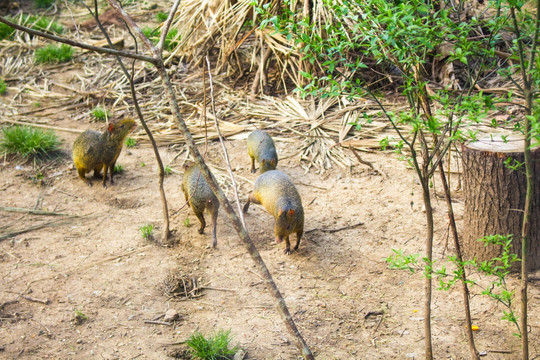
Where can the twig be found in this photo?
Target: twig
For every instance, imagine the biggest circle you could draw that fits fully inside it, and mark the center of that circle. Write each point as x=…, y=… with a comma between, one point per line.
x=33, y=212
x=365, y=162
x=46, y=301
x=166, y=232
x=336, y=230
x=167, y=25
x=101, y=50
x=225, y=153
x=157, y=322
x=212, y=288
x=42, y=126
x=9, y=302
x=36, y=227
x=501, y=351
x=378, y=324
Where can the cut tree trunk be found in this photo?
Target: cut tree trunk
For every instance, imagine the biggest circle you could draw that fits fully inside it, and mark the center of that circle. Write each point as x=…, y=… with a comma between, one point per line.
x=495, y=198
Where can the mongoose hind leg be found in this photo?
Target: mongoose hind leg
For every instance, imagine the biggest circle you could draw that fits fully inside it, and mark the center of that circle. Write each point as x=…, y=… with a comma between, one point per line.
x=251, y=198
x=298, y=237
x=200, y=216
x=81, y=174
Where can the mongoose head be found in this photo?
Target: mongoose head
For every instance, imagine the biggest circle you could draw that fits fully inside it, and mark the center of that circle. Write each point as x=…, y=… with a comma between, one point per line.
x=121, y=128
x=268, y=164
x=285, y=222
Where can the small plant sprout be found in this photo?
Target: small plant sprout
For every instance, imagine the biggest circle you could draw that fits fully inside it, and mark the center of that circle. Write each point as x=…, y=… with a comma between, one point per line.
x=130, y=142
x=51, y=54
x=79, y=317
x=168, y=170
x=100, y=113
x=216, y=347
x=28, y=142
x=186, y=222
x=147, y=231
x=118, y=169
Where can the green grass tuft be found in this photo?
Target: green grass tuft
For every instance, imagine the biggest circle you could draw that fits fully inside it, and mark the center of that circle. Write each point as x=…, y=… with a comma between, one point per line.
x=171, y=41
x=161, y=16
x=43, y=4
x=54, y=54
x=216, y=347
x=100, y=113
x=118, y=169
x=147, y=231
x=3, y=87
x=40, y=23
x=28, y=142
x=6, y=32
x=130, y=142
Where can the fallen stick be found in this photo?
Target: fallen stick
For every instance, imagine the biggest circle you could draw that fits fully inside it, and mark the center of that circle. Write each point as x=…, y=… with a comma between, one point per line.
x=43, y=126
x=336, y=230
x=32, y=211
x=157, y=322
x=36, y=227
x=46, y=301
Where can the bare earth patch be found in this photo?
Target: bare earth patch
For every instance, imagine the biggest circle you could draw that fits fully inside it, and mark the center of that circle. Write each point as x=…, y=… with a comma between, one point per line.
x=93, y=288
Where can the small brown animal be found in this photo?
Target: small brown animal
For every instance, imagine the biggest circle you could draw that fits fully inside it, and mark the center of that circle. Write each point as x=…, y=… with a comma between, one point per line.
x=200, y=197
x=93, y=150
x=278, y=195
x=261, y=148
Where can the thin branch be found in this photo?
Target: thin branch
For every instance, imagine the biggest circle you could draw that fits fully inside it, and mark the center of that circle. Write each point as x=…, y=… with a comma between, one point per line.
x=133, y=25
x=225, y=153
x=166, y=26
x=62, y=40
x=166, y=225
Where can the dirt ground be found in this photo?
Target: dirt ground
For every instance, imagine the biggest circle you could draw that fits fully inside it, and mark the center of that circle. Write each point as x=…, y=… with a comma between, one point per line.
x=90, y=287
x=344, y=298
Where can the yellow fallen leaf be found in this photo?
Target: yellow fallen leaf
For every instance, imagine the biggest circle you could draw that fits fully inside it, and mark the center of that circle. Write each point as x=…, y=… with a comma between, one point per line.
x=415, y=311
x=474, y=328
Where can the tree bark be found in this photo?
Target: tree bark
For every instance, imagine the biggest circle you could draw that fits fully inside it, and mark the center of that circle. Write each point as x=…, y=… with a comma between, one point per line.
x=495, y=198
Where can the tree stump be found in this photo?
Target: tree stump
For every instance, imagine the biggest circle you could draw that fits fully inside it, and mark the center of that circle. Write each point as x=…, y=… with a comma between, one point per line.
x=495, y=198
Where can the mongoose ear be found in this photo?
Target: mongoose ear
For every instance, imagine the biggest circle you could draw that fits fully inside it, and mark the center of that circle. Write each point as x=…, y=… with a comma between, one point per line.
x=290, y=213
x=110, y=128
x=263, y=161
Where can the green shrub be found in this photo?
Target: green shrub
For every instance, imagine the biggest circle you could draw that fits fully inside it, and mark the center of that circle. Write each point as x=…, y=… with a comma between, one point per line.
x=6, y=32
x=28, y=142
x=216, y=347
x=54, y=54
x=161, y=16
x=153, y=35
x=40, y=23
x=3, y=87
x=100, y=113
x=43, y=4
x=130, y=142
x=170, y=40
x=118, y=169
